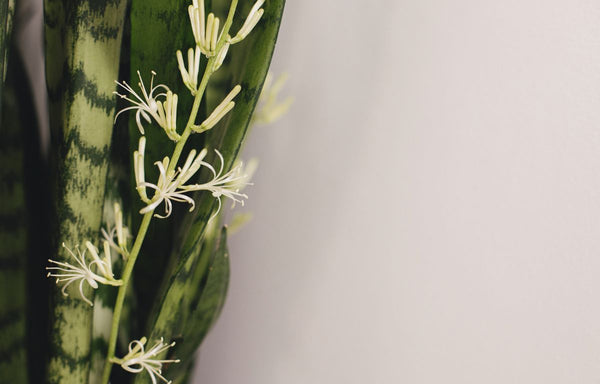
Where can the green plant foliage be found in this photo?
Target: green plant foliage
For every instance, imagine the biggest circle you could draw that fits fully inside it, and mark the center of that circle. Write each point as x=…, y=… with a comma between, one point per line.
x=193, y=302
x=7, y=11
x=158, y=29
x=247, y=65
x=116, y=185
x=13, y=228
x=83, y=44
x=181, y=279
x=174, y=317
x=13, y=244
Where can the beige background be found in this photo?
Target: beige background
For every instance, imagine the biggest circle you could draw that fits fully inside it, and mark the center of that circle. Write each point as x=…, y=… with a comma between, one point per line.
x=429, y=211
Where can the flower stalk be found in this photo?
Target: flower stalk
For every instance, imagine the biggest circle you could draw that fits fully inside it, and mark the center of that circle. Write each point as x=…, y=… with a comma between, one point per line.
x=138, y=156
x=68, y=273
x=172, y=185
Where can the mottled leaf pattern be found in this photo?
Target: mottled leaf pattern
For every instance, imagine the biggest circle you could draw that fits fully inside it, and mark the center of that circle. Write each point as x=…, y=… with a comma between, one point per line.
x=193, y=302
x=182, y=276
x=83, y=44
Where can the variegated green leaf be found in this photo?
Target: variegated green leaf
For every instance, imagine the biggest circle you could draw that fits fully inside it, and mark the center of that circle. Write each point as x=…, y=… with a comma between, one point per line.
x=194, y=299
x=83, y=44
x=117, y=187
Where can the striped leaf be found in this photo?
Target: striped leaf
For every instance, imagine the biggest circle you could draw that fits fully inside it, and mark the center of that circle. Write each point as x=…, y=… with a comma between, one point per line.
x=13, y=242
x=193, y=302
x=83, y=44
x=117, y=187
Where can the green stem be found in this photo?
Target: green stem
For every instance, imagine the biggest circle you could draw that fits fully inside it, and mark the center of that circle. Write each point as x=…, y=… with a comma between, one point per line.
x=112, y=342
x=188, y=127
x=228, y=23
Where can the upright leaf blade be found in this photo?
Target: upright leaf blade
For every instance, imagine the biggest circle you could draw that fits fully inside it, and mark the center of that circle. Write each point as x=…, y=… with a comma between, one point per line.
x=158, y=29
x=104, y=302
x=83, y=41
x=13, y=243
x=192, y=304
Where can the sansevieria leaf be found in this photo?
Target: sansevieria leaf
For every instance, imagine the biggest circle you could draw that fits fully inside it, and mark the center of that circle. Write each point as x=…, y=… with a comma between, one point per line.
x=13, y=229
x=117, y=185
x=83, y=45
x=193, y=302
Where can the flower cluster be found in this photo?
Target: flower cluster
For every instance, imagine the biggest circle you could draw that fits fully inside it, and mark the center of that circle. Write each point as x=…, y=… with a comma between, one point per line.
x=139, y=359
x=149, y=105
x=82, y=271
x=206, y=29
x=119, y=231
x=212, y=41
x=171, y=185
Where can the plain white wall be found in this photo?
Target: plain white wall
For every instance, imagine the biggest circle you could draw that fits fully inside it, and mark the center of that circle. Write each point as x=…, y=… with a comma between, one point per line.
x=429, y=210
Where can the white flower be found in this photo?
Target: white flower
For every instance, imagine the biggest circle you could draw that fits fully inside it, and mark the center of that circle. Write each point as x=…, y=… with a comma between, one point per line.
x=166, y=189
x=146, y=106
x=221, y=110
x=138, y=168
x=190, y=75
x=171, y=185
x=206, y=32
x=167, y=115
x=221, y=56
x=207, y=35
x=227, y=185
x=119, y=231
x=163, y=112
x=247, y=170
x=138, y=359
x=67, y=273
x=251, y=20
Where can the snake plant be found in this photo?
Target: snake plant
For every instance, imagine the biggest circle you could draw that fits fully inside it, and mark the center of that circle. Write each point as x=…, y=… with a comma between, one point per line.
x=114, y=261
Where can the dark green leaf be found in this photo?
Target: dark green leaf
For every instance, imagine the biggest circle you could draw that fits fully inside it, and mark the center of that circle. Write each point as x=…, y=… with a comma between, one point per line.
x=13, y=243
x=193, y=302
x=158, y=29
